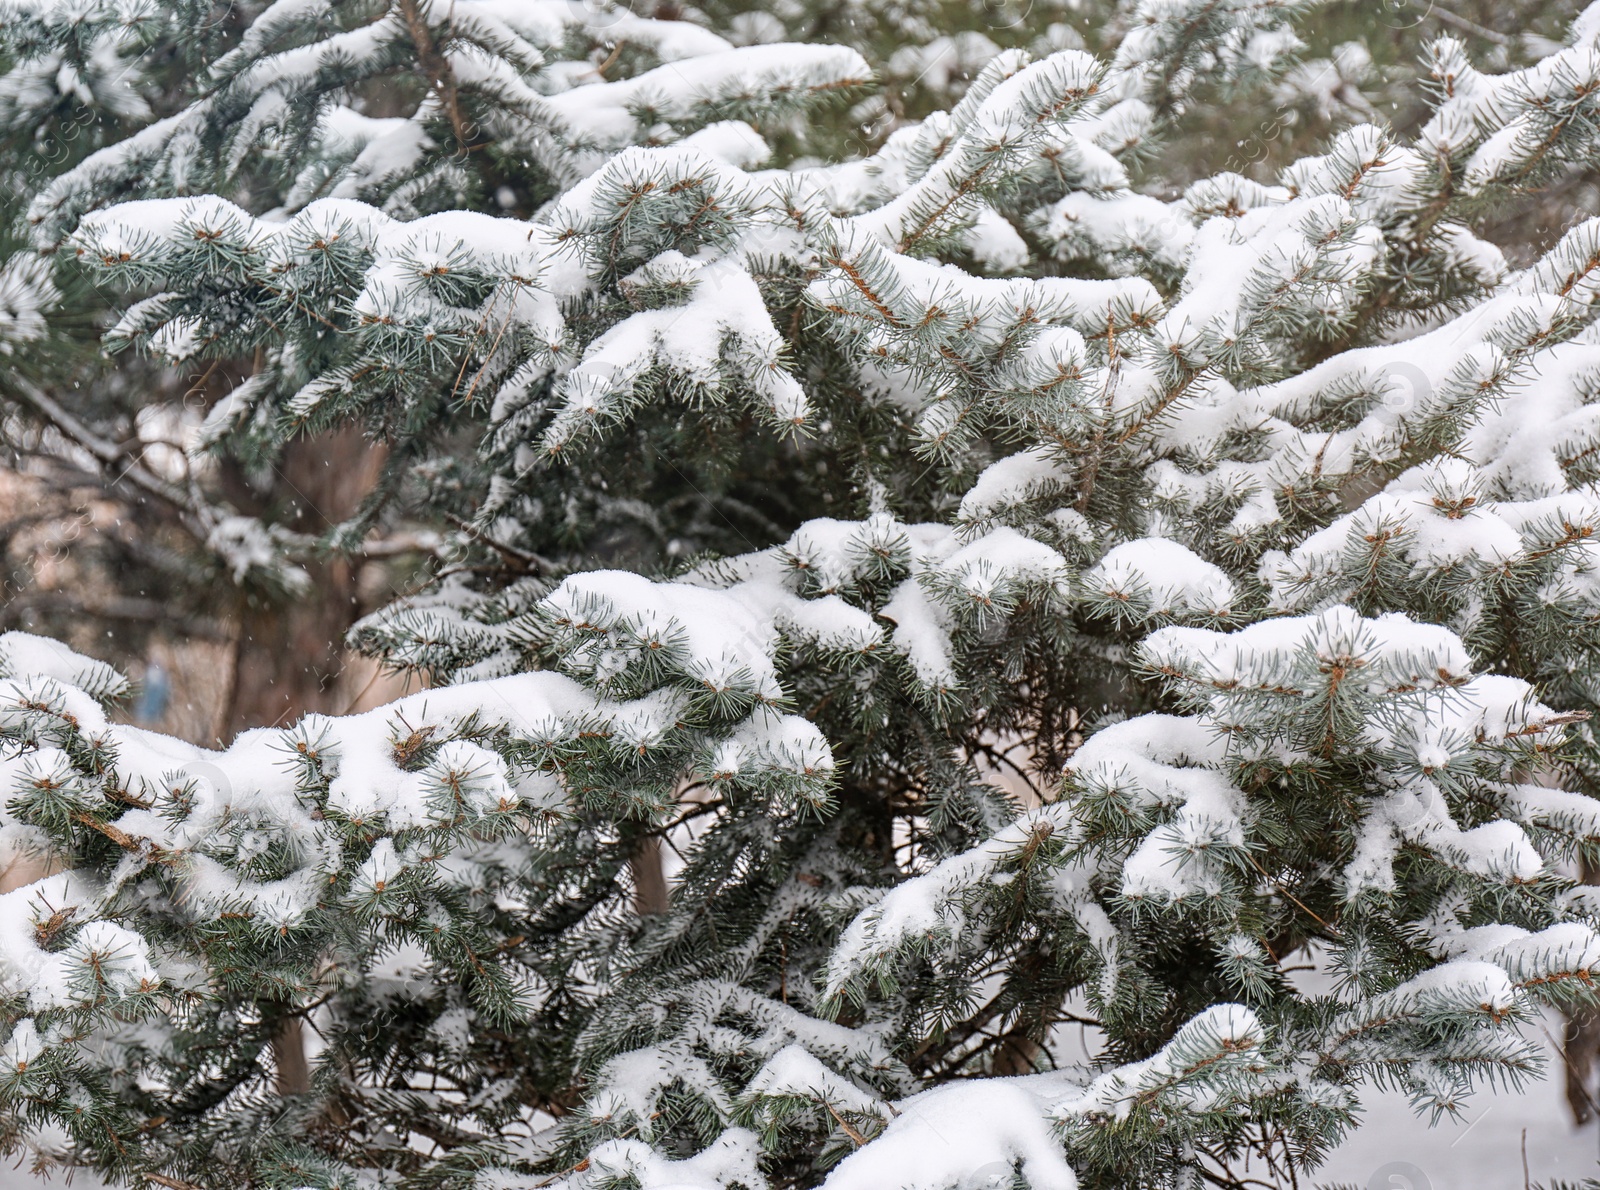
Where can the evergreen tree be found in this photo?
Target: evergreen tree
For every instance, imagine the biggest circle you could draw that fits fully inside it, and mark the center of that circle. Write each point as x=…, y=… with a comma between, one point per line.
x=1016, y=600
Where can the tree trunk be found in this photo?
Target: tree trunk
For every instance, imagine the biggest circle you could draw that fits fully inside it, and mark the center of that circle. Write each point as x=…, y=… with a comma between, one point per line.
x=287, y=659
x=1581, y=1045
x=1017, y=1053
x=288, y=655
x=649, y=881
x=289, y=1057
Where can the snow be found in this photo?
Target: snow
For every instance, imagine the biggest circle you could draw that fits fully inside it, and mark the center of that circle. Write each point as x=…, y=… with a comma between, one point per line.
x=1092, y=226
x=944, y=301
x=985, y=566
x=773, y=744
x=1395, y=654
x=476, y=779
x=27, y=291
x=1221, y=1039
x=922, y=635
x=1157, y=759
x=1382, y=178
x=723, y=328
x=1021, y=109
x=1171, y=863
x=927, y=907
x=724, y=645
x=400, y=972
x=246, y=544
x=945, y=59
x=104, y=959
x=1534, y=958
x=1435, y=712
x=20, y=699
x=22, y=1047
x=1016, y=478
x=962, y=1135
x=593, y=122
x=1163, y=576
x=731, y=141
x=23, y=655
x=731, y=1160
x=994, y=243
x=793, y=1071
x=1258, y=36
x=1311, y=251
